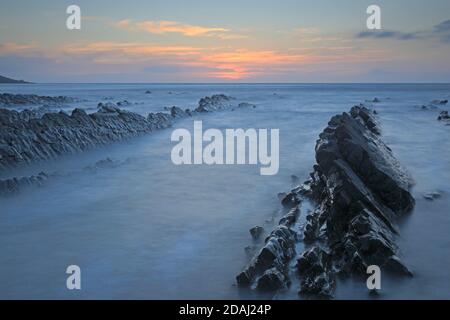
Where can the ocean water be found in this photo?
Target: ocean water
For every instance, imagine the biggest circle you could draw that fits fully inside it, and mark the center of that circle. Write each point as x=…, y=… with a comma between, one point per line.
x=148, y=229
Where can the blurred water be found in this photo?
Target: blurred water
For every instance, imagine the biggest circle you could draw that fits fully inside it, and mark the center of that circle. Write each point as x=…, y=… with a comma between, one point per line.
x=149, y=229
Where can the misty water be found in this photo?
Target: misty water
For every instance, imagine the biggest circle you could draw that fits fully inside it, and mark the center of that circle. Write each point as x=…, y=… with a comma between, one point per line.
x=146, y=228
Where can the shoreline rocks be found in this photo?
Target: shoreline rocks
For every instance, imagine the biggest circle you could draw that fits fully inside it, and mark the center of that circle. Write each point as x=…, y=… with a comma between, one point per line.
x=9, y=99
x=267, y=271
x=360, y=190
x=28, y=136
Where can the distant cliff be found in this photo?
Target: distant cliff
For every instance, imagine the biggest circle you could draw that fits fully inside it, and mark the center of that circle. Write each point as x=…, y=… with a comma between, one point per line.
x=9, y=80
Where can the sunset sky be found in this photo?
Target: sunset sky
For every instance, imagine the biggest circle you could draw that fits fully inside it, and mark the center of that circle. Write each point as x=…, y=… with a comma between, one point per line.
x=226, y=41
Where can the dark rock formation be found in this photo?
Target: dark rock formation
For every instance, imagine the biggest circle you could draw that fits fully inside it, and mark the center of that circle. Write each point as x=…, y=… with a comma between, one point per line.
x=9, y=80
x=28, y=136
x=441, y=102
x=53, y=134
x=268, y=268
x=8, y=99
x=13, y=186
x=314, y=266
x=444, y=116
x=430, y=196
x=256, y=232
x=360, y=190
x=214, y=103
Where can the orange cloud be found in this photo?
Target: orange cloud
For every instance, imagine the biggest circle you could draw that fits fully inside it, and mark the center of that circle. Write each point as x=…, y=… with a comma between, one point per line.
x=15, y=48
x=216, y=63
x=245, y=63
x=162, y=27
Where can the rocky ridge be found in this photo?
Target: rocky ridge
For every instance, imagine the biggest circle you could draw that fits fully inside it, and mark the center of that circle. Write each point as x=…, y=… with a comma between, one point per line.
x=359, y=190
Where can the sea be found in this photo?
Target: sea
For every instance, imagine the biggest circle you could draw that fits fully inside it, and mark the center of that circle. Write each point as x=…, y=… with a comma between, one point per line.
x=148, y=229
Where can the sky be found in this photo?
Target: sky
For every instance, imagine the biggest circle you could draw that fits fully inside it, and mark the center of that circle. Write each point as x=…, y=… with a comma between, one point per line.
x=205, y=41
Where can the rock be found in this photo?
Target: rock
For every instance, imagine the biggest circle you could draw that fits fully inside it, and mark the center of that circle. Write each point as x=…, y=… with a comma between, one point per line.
x=294, y=178
x=123, y=103
x=13, y=186
x=278, y=250
x=148, y=92
x=214, y=103
x=256, y=232
x=395, y=265
x=289, y=218
x=26, y=136
x=290, y=200
x=444, y=116
x=271, y=280
x=430, y=196
x=314, y=267
x=281, y=195
x=246, y=105
x=360, y=190
x=9, y=99
x=441, y=102
x=250, y=250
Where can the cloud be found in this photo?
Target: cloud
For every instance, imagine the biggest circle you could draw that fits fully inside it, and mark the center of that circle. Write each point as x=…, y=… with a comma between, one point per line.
x=440, y=32
x=442, y=27
x=165, y=26
x=388, y=34
x=8, y=48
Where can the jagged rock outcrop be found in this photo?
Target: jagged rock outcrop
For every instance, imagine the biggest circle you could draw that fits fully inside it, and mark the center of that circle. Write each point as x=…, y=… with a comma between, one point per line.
x=28, y=136
x=441, y=102
x=9, y=99
x=444, y=116
x=13, y=186
x=256, y=232
x=214, y=103
x=24, y=141
x=268, y=268
x=9, y=187
x=360, y=189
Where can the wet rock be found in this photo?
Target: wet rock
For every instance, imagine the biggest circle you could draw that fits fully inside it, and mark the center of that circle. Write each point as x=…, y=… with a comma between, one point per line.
x=360, y=189
x=26, y=136
x=314, y=267
x=9, y=99
x=24, y=141
x=13, y=186
x=246, y=105
x=279, y=248
x=256, y=232
x=441, y=102
x=289, y=218
x=250, y=250
x=176, y=112
x=271, y=280
x=430, y=196
x=444, y=116
x=123, y=103
x=290, y=200
x=429, y=107
x=394, y=264
x=148, y=92
x=281, y=195
x=214, y=103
